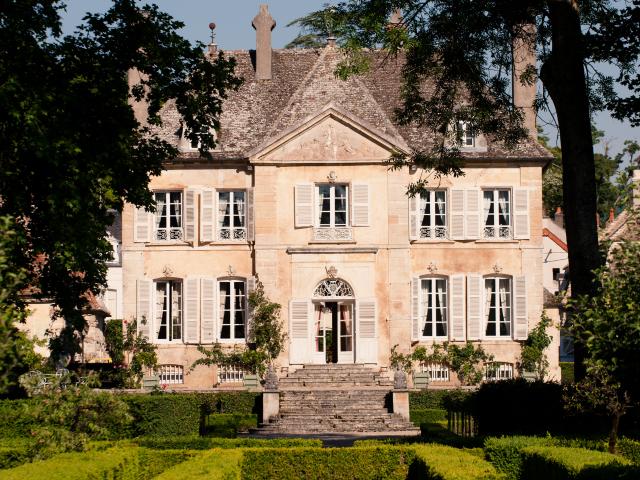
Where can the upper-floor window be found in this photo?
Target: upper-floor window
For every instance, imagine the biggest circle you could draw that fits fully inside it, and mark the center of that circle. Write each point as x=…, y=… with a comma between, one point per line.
x=433, y=214
x=466, y=134
x=497, y=306
x=232, y=215
x=332, y=205
x=168, y=216
x=497, y=214
x=434, y=307
x=232, y=309
x=168, y=299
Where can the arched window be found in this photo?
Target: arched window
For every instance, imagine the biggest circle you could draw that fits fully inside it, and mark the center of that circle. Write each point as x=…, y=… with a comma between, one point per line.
x=333, y=287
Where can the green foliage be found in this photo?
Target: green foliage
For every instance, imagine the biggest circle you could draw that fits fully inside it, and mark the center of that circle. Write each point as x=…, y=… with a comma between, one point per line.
x=14, y=452
x=215, y=464
x=265, y=340
x=448, y=463
x=467, y=362
x=432, y=415
x=569, y=463
x=130, y=352
x=207, y=443
x=505, y=453
x=72, y=149
x=228, y=425
x=400, y=361
x=67, y=415
x=532, y=356
x=15, y=420
x=566, y=372
x=429, y=399
x=630, y=449
x=317, y=27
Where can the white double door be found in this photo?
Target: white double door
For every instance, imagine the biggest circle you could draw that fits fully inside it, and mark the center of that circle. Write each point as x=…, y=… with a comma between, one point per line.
x=333, y=330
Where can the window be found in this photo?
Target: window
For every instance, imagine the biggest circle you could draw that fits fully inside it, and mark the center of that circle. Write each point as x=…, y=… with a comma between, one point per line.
x=232, y=309
x=497, y=306
x=556, y=274
x=170, y=374
x=168, y=216
x=437, y=372
x=497, y=214
x=168, y=311
x=433, y=214
x=466, y=134
x=230, y=374
x=434, y=307
x=332, y=206
x=231, y=216
x=495, y=371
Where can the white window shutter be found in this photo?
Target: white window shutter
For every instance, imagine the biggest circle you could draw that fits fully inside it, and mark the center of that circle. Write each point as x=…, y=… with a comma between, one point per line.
x=414, y=206
x=208, y=310
x=521, y=228
x=251, y=287
x=520, y=317
x=142, y=225
x=304, y=195
x=366, y=331
x=191, y=310
x=251, y=219
x=208, y=215
x=299, y=347
x=190, y=221
x=456, y=322
x=144, y=312
x=360, y=205
x=474, y=307
x=415, y=309
x=472, y=214
x=457, y=216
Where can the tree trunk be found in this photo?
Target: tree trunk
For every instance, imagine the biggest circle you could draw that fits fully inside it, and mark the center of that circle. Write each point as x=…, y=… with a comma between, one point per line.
x=563, y=75
x=613, y=434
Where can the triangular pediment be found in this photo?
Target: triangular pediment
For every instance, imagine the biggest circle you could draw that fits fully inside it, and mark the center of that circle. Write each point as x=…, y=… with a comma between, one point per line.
x=331, y=136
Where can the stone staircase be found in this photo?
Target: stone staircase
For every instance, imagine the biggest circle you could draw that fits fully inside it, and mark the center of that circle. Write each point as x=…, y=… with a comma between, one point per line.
x=336, y=399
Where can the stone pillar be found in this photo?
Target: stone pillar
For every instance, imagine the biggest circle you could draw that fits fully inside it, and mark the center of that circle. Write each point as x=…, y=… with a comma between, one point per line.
x=263, y=23
x=401, y=403
x=524, y=60
x=270, y=405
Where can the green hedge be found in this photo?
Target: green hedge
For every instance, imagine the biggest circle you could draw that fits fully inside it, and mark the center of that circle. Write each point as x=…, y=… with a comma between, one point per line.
x=505, y=453
x=14, y=420
x=431, y=415
x=566, y=463
x=120, y=463
x=228, y=424
x=206, y=443
x=12, y=456
x=214, y=464
x=435, y=399
x=630, y=449
x=448, y=463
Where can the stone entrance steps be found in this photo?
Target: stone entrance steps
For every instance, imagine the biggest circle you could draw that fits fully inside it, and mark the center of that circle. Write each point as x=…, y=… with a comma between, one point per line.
x=335, y=399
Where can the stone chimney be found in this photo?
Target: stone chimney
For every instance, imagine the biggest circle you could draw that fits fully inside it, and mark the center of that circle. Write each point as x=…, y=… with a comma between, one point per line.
x=524, y=57
x=263, y=23
x=558, y=217
x=134, y=77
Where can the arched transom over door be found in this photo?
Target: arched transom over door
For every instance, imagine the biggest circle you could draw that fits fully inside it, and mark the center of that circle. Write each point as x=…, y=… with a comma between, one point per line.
x=333, y=326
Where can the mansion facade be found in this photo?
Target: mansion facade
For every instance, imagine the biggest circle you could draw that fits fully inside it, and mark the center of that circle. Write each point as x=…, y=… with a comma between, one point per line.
x=298, y=194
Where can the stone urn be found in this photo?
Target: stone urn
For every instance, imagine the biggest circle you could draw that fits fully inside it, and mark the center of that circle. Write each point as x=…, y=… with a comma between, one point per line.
x=399, y=380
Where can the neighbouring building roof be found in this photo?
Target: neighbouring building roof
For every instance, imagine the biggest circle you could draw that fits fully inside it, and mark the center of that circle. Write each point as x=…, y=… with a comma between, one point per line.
x=303, y=83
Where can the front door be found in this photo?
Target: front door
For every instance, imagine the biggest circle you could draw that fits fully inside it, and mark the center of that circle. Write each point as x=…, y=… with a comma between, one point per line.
x=333, y=332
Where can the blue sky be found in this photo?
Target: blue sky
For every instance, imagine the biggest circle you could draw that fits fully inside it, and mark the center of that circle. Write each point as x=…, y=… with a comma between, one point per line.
x=234, y=31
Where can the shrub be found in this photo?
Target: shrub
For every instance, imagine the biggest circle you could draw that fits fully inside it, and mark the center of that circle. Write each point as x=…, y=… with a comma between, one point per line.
x=446, y=463
x=429, y=399
x=215, y=464
x=505, y=453
x=515, y=407
x=329, y=463
x=14, y=418
x=566, y=372
x=206, y=443
x=13, y=452
x=432, y=415
x=574, y=463
x=228, y=425
x=629, y=449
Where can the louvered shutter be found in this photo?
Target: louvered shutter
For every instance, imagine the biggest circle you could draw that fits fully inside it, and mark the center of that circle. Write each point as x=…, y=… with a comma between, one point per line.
x=521, y=229
x=304, y=205
x=191, y=310
x=474, y=307
x=414, y=206
x=142, y=225
x=366, y=331
x=415, y=309
x=207, y=215
x=299, y=347
x=250, y=216
x=190, y=207
x=457, y=214
x=360, y=205
x=207, y=310
x=456, y=307
x=472, y=213
x=520, y=318
x=251, y=287
x=144, y=312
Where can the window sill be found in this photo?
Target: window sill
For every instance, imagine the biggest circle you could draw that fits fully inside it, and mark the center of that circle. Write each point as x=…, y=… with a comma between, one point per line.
x=332, y=242
x=166, y=243
x=432, y=241
x=498, y=240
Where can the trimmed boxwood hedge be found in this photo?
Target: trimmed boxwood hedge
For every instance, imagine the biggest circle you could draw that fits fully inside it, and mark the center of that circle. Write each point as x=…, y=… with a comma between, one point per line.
x=216, y=464
x=431, y=415
x=436, y=399
x=448, y=463
x=206, y=443
x=566, y=463
x=505, y=453
x=630, y=449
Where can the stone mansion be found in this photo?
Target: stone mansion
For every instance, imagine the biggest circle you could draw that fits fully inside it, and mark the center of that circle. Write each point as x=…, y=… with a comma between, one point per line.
x=298, y=194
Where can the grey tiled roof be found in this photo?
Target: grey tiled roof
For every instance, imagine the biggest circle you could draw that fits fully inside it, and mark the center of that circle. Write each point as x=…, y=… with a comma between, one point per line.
x=303, y=82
